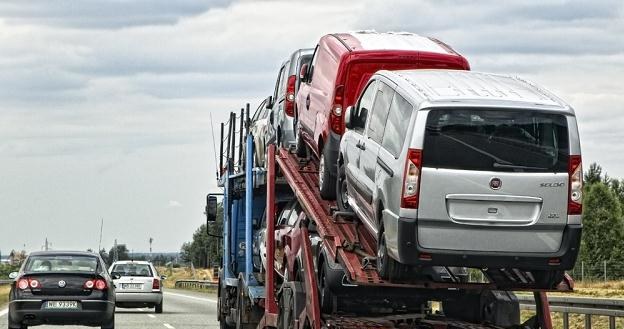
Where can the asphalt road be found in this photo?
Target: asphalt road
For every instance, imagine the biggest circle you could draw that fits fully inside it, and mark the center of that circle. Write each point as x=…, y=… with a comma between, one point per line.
x=182, y=309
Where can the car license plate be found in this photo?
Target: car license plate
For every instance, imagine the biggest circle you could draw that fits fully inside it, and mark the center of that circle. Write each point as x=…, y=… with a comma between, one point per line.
x=134, y=286
x=61, y=304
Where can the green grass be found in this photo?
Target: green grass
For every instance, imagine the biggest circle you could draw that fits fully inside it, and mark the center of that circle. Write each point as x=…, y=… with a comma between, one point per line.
x=4, y=295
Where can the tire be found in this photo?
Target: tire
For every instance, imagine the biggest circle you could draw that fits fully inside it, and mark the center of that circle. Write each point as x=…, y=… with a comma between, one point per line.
x=387, y=267
x=324, y=293
x=158, y=308
x=341, y=190
x=110, y=324
x=548, y=279
x=300, y=148
x=327, y=183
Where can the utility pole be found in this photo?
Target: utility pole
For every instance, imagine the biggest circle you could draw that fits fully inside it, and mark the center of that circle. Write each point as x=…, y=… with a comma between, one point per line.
x=101, y=228
x=150, y=242
x=46, y=245
x=115, y=256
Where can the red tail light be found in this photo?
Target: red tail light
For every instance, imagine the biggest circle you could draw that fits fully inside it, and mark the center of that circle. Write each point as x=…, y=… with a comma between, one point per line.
x=289, y=107
x=100, y=284
x=411, y=179
x=335, y=116
x=34, y=284
x=89, y=284
x=575, y=185
x=23, y=284
x=156, y=284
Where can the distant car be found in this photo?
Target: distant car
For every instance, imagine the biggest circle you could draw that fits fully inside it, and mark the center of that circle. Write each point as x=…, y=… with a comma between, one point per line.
x=137, y=284
x=261, y=128
x=341, y=66
x=286, y=88
x=458, y=168
x=62, y=288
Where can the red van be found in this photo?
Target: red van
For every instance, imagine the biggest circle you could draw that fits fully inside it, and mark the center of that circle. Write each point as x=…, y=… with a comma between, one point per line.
x=341, y=65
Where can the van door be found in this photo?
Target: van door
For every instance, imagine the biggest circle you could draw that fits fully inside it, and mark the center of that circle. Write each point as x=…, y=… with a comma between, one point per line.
x=494, y=180
x=369, y=147
x=356, y=136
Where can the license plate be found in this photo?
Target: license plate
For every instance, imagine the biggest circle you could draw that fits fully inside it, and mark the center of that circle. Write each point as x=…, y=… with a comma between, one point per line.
x=135, y=286
x=61, y=304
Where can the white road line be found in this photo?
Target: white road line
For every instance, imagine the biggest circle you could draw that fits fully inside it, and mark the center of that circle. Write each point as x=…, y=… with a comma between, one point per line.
x=168, y=326
x=151, y=316
x=4, y=312
x=191, y=297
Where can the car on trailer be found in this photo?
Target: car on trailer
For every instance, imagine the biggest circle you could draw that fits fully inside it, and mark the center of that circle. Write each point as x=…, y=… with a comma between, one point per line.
x=461, y=168
x=286, y=88
x=341, y=65
x=62, y=288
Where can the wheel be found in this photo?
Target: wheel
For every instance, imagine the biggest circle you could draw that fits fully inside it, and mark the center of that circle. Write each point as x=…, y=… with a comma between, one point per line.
x=110, y=324
x=253, y=314
x=327, y=183
x=300, y=147
x=548, y=279
x=325, y=295
x=387, y=267
x=158, y=308
x=342, y=192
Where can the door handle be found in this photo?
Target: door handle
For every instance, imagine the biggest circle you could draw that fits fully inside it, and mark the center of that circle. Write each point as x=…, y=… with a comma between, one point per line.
x=308, y=102
x=361, y=146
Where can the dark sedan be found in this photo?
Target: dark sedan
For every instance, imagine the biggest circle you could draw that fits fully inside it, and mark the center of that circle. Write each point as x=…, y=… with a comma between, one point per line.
x=62, y=288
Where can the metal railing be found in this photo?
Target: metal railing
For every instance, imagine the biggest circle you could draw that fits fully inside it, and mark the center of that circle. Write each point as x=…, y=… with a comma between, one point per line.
x=6, y=282
x=195, y=284
x=612, y=308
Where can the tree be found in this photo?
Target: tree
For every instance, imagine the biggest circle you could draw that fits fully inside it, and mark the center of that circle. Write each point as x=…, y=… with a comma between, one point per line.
x=122, y=253
x=594, y=174
x=603, y=228
x=206, y=247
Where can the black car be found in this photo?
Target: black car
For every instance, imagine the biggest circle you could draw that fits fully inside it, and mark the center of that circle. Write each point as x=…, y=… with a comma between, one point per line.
x=62, y=288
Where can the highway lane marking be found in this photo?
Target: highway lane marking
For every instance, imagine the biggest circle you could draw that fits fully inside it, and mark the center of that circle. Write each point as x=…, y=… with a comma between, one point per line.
x=191, y=297
x=168, y=326
x=4, y=312
x=151, y=316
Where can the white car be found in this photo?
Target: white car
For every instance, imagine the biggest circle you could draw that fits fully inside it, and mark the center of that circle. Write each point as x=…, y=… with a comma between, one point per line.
x=137, y=284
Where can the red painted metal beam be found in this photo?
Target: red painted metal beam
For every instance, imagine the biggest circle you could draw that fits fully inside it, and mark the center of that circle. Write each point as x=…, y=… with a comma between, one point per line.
x=271, y=309
x=312, y=308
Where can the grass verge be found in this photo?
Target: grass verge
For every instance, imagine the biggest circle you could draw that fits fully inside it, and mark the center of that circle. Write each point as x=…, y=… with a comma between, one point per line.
x=175, y=274
x=4, y=295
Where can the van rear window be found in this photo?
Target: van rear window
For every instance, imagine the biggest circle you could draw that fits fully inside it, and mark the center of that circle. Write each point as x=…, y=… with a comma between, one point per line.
x=496, y=140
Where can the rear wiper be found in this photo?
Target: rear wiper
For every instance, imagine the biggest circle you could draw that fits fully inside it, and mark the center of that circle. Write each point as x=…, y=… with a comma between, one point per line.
x=513, y=166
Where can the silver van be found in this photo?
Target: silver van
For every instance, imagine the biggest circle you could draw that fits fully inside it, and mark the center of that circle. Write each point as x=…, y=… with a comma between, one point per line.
x=459, y=168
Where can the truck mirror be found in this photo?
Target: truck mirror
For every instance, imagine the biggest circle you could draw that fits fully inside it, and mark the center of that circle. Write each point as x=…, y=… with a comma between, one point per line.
x=211, y=208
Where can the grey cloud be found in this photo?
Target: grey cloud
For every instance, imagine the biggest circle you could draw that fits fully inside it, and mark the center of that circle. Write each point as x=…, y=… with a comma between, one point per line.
x=103, y=14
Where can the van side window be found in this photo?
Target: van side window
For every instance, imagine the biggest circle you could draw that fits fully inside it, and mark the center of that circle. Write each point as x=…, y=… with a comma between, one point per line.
x=396, y=126
x=364, y=106
x=279, y=87
x=313, y=63
x=377, y=121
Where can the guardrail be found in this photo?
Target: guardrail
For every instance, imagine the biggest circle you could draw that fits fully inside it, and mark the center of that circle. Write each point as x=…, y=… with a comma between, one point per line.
x=611, y=308
x=195, y=284
x=6, y=282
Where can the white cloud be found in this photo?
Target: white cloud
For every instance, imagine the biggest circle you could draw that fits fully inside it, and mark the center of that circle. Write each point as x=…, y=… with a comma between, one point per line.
x=174, y=204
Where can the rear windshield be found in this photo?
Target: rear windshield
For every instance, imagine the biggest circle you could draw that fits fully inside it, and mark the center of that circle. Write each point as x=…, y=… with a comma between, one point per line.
x=132, y=269
x=65, y=263
x=496, y=140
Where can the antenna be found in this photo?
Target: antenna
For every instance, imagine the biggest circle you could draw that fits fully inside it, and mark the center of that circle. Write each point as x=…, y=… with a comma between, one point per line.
x=214, y=146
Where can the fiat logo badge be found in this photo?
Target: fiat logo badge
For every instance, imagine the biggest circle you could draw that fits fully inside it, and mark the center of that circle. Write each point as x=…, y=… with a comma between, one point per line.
x=496, y=183
x=62, y=284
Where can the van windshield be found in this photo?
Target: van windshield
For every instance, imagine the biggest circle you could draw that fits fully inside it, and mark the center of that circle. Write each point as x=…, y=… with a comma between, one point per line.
x=496, y=140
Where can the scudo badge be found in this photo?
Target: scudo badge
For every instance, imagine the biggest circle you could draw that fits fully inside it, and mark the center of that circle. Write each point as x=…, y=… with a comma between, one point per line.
x=496, y=183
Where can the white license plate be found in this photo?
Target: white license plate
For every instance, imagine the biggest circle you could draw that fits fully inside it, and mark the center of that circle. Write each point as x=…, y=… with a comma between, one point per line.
x=61, y=304
x=134, y=286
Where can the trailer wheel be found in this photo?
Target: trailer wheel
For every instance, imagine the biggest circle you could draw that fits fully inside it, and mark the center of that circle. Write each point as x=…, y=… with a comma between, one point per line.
x=291, y=303
x=325, y=295
x=248, y=316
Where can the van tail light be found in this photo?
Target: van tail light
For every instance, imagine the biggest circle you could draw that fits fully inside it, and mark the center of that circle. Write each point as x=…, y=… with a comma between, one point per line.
x=289, y=107
x=335, y=116
x=411, y=179
x=575, y=185
x=23, y=284
x=156, y=284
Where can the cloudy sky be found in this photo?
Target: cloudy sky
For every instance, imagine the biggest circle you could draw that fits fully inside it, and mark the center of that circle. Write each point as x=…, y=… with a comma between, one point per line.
x=106, y=106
